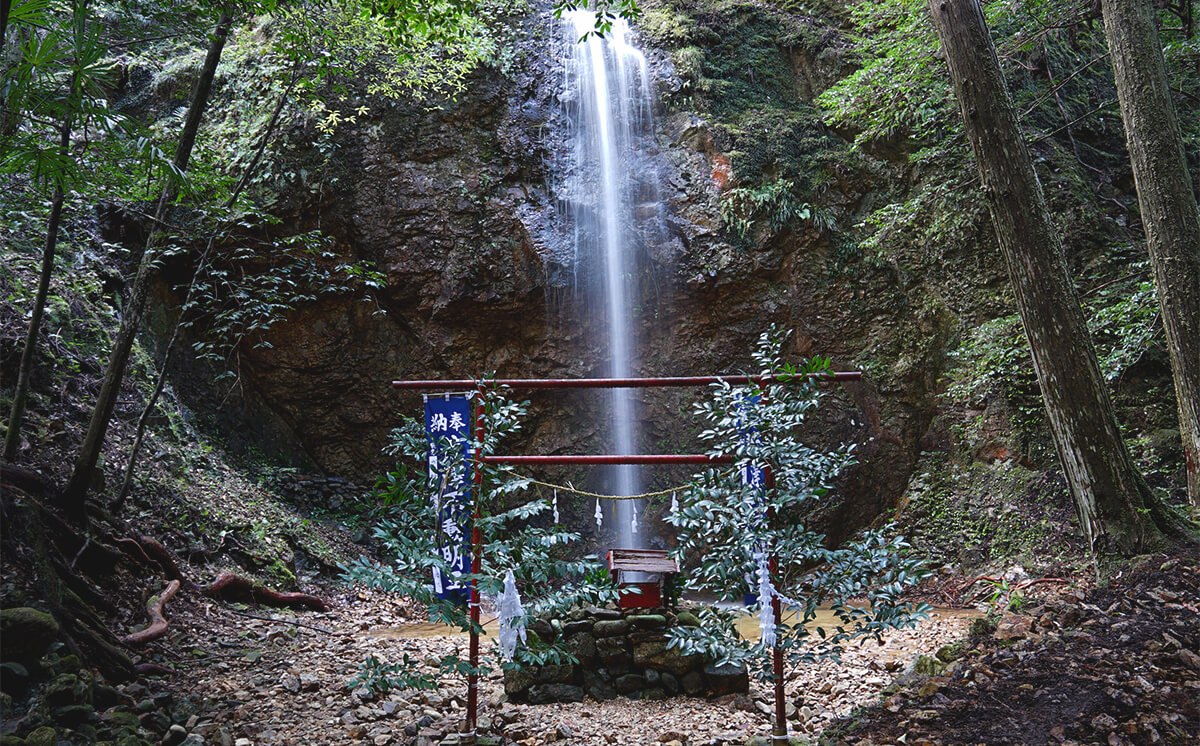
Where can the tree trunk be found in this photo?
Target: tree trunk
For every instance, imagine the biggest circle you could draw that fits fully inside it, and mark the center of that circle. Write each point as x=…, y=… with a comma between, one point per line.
x=1168, y=204
x=81, y=477
x=5, y=7
x=1116, y=508
x=12, y=438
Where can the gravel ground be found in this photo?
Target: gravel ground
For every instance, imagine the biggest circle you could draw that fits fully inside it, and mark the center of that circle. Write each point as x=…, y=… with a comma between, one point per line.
x=270, y=681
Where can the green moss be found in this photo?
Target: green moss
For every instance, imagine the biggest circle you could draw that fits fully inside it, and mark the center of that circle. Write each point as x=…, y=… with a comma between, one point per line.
x=736, y=62
x=977, y=513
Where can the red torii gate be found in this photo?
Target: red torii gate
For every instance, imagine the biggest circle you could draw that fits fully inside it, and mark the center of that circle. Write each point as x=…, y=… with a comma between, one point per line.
x=779, y=731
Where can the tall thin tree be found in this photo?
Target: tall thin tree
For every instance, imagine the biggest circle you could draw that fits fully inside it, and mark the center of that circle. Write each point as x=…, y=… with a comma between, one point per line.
x=1167, y=201
x=54, y=166
x=114, y=374
x=12, y=438
x=1116, y=508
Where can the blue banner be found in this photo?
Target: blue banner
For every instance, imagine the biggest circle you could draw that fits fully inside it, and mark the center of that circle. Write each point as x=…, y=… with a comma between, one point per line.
x=753, y=475
x=448, y=430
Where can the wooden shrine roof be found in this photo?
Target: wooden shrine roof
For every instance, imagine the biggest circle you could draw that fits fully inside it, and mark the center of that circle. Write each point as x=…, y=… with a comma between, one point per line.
x=642, y=560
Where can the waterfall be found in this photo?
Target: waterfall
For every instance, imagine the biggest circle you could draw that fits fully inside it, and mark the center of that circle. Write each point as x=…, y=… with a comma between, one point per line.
x=612, y=206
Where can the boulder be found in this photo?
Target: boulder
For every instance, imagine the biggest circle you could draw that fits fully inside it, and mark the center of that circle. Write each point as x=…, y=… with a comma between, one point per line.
x=27, y=634
x=658, y=655
x=517, y=681
x=670, y=683
x=44, y=736
x=540, y=694
x=610, y=628
x=574, y=628
x=583, y=647
x=599, y=614
x=728, y=678
x=629, y=683
x=597, y=685
x=648, y=621
x=556, y=674
x=613, y=650
x=692, y=682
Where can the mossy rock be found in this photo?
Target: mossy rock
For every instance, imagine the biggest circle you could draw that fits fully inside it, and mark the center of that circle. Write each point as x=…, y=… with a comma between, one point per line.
x=27, y=633
x=928, y=666
x=981, y=627
x=68, y=664
x=44, y=736
x=518, y=680
x=65, y=689
x=687, y=619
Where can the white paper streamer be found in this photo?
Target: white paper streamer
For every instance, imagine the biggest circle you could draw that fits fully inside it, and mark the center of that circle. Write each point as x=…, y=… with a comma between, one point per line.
x=766, y=592
x=556, y=506
x=633, y=523
x=599, y=514
x=512, y=618
x=674, y=504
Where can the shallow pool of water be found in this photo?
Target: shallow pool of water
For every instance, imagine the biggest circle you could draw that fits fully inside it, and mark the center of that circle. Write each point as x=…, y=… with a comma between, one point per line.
x=747, y=624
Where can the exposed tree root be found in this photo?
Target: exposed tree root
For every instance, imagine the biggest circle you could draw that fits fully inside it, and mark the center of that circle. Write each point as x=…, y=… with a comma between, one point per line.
x=232, y=586
x=158, y=622
x=165, y=558
x=133, y=549
x=152, y=669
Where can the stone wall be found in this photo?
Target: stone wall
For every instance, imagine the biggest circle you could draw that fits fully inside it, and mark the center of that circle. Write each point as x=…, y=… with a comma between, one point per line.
x=621, y=653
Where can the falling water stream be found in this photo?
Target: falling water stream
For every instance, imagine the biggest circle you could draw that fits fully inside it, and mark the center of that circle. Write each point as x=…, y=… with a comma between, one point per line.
x=609, y=103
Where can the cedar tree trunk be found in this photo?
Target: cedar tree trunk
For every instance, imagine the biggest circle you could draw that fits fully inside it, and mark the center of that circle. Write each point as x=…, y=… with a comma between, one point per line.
x=1167, y=202
x=1116, y=508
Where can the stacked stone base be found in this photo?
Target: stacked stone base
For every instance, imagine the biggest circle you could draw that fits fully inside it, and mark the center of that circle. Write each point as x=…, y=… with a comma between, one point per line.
x=621, y=653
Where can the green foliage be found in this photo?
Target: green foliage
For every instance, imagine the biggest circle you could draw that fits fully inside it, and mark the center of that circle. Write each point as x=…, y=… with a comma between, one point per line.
x=239, y=298
x=978, y=511
x=735, y=60
x=731, y=526
x=513, y=535
x=995, y=356
x=774, y=204
x=898, y=91
x=1124, y=320
x=58, y=79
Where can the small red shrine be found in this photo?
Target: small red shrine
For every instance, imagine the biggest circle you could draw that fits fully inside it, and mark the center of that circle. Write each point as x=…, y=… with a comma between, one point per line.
x=644, y=569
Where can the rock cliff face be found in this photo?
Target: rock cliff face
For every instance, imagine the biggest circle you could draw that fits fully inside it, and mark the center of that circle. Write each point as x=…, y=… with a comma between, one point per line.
x=457, y=207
